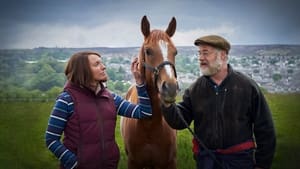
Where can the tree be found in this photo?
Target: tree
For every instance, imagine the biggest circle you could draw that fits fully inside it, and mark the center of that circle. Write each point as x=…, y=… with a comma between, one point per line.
x=119, y=86
x=46, y=78
x=111, y=74
x=276, y=77
x=54, y=92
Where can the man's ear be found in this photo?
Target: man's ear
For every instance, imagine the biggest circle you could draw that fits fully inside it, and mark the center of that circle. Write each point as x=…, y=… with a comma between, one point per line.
x=224, y=55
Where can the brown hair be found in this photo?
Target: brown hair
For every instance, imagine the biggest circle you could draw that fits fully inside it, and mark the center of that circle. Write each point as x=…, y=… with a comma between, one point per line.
x=78, y=69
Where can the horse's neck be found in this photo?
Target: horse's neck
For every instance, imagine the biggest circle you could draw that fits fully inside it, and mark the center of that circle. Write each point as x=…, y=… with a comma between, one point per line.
x=155, y=104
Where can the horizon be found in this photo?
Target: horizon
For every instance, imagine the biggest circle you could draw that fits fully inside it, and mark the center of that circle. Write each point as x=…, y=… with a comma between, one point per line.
x=57, y=47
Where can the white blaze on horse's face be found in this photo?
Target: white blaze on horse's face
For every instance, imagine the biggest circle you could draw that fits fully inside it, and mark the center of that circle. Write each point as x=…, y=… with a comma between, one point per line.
x=164, y=50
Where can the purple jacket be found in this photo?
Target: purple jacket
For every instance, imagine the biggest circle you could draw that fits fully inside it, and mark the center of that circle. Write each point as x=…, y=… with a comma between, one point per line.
x=90, y=131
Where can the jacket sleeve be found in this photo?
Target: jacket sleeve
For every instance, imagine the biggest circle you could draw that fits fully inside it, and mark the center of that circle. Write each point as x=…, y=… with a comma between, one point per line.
x=138, y=111
x=264, y=131
x=179, y=116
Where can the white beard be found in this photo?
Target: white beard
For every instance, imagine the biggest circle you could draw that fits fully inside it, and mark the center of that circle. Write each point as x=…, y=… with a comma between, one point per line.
x=213, y=67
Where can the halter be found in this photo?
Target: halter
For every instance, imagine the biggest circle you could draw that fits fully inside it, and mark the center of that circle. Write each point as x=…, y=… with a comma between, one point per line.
x=156, y=70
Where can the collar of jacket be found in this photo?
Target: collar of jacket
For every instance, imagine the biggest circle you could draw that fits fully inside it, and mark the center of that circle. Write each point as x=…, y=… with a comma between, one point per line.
x=214, y=85
x=103, y=92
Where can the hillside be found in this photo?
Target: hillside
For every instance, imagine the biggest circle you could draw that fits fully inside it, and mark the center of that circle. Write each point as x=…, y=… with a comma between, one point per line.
x=275, y=67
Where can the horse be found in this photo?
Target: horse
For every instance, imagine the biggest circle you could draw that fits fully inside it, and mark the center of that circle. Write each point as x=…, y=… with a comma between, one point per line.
x=151, y=143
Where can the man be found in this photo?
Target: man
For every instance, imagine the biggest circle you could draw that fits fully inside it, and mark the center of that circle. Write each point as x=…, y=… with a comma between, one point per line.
x=231, y=116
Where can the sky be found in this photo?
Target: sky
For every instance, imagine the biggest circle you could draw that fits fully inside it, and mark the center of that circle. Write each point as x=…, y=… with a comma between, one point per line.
x=116, y=23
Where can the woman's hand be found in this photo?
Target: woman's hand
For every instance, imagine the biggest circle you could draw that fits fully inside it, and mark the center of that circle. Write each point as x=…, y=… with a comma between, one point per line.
x=136, y=72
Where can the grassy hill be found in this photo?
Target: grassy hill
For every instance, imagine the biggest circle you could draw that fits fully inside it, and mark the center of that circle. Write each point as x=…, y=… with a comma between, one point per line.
x=22, y=127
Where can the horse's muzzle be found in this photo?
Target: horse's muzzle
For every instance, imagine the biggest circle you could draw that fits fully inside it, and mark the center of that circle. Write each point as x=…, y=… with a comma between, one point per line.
x=168, y=91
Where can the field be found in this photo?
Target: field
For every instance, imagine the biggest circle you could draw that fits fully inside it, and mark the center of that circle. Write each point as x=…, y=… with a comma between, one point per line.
x=23, y=124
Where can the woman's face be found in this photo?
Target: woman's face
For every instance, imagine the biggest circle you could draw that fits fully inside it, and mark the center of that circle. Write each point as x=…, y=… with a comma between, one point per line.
x=98, y=69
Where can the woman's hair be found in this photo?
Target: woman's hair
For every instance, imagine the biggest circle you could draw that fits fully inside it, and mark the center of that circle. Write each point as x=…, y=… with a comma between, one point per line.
x=78, y=69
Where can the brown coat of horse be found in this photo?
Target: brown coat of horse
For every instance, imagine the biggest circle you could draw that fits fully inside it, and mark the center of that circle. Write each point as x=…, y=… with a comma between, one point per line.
x=151, y=143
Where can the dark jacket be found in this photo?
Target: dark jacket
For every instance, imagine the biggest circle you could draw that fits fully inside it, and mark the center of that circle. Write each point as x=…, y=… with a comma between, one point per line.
x=90, y=130
x=227, y=114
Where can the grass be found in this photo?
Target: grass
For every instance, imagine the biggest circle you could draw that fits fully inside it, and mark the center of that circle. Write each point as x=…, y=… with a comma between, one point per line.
x=22, y=130
x=23, y=124
x=286, y=116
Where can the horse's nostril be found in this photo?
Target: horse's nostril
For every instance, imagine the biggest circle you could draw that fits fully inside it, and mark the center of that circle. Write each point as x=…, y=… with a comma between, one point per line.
x=169, y=89
x=164, y=86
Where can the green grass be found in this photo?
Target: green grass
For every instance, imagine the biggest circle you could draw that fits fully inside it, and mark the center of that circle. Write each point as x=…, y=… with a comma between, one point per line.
x=23, y=124
x=286, y=115
x=22, y=130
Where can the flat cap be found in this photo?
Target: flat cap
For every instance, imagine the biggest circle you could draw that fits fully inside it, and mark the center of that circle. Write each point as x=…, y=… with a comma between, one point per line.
x=215, y=41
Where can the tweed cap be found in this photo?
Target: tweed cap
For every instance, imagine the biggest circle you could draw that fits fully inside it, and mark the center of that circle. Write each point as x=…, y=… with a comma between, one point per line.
x=215, y=41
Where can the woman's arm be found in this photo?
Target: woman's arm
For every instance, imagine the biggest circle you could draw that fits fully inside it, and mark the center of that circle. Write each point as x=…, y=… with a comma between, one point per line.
x=138, y=111
x=61, y=111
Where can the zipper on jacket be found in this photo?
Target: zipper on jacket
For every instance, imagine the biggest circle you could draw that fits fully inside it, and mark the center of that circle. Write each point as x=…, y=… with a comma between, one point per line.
x=220, y=103
x=216, y=142
x=220, y=98
x=102, y=134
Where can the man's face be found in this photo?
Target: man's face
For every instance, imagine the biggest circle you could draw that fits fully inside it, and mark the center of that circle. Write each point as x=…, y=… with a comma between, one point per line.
x=210, y=60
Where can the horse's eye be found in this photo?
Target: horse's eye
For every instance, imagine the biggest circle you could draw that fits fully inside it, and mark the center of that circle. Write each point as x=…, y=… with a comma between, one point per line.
x=175, y=53
x=148, y=52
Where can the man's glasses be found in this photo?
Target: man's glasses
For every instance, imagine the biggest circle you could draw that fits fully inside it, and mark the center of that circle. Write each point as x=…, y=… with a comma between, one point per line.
x=204, y=53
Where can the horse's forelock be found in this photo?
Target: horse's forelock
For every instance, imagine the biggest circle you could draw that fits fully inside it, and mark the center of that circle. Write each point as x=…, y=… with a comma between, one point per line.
x=156, y=36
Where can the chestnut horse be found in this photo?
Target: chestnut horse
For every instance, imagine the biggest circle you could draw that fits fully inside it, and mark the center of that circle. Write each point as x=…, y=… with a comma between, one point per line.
x=151, y=143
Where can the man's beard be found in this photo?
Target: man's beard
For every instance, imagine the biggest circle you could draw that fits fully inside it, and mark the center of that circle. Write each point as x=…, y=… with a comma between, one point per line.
x=212, y=68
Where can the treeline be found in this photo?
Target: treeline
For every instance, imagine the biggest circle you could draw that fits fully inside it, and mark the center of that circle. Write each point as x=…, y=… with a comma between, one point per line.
x=38, y=74
x=29, y=74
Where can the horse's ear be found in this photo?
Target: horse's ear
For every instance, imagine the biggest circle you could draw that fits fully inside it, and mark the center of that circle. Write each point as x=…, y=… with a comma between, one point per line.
x=172, y=27
x=145, y=26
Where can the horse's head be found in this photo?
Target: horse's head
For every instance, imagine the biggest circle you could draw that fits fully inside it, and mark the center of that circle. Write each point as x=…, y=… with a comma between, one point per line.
x=157, y=60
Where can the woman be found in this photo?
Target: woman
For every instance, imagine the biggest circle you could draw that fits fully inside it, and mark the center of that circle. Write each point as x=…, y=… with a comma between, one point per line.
x=85, y=112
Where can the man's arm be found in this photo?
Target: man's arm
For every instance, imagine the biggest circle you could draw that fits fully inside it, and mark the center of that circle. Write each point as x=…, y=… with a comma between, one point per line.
x=264, y=131
x=174, y=113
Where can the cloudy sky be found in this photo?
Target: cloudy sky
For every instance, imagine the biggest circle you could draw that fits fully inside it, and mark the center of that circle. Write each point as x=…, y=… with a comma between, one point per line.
x=116, y=23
